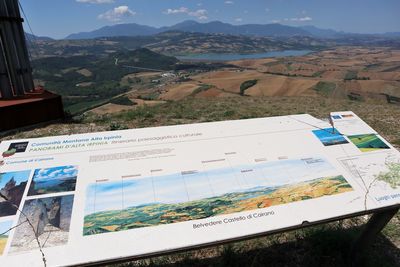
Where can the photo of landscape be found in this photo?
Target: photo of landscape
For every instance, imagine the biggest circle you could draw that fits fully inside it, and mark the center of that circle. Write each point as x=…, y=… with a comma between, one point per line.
x=368, y=142
x=330, y=136
x=178, y=198
x=50, y=217
x=4, y=227
x=53, y=180
x=12, y=187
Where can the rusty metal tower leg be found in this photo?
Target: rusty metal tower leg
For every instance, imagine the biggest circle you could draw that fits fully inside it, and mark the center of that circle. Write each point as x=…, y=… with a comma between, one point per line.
x=5, y=84
x=25, y=70
x=14, y=50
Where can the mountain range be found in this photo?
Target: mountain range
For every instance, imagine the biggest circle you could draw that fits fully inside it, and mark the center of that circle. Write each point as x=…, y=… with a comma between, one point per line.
x=31, y=37
x=217, y=27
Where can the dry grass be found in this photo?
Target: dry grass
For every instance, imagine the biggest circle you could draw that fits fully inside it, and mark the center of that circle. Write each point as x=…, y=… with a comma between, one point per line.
x=179, y=91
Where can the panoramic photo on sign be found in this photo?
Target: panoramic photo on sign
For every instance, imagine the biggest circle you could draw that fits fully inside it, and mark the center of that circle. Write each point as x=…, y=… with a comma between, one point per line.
x=200, y=183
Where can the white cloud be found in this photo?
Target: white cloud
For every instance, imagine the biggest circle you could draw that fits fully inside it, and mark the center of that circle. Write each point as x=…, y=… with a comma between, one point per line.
x=117, y=14
x=170, y=11
x=229, y=2
x=200, y=14
x=307, y=18
x=238, y=19
x=302, y=19
x=56, y=173
x=96, y=1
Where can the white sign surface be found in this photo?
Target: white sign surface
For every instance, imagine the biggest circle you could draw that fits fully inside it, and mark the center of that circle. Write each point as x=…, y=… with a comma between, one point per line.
x=105, y=196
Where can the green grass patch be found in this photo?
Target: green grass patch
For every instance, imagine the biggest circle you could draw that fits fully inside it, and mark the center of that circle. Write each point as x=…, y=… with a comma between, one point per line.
x=355, y=97
x=143, y=112
x=318, y=73
x=325, y=88
x=246, y=85
x=85, y=106
x=350, y=75
x=122, y=100
x=201, y=88
x=149, y=97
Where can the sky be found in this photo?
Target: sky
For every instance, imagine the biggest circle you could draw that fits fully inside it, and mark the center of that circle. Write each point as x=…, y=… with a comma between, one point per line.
x=19, y=176
x=59, y=18
x=327, y=136
x=4, y=226
x=55, y=173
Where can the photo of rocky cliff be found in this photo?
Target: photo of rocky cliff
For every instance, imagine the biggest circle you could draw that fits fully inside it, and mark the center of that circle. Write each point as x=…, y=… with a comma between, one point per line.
x=12, y=187
x=49, y=221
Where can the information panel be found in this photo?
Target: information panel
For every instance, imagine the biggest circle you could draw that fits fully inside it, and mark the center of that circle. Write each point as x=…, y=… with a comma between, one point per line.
x=80, y=199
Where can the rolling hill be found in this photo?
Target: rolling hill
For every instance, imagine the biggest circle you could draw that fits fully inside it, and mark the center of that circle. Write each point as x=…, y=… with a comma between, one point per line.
x=89, y=80
x=177, y=43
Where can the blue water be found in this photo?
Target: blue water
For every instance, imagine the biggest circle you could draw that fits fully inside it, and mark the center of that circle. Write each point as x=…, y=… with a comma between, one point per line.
x=231, y=57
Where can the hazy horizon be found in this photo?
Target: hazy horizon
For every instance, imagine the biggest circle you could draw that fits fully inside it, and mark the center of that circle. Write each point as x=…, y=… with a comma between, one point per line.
x=359, y=16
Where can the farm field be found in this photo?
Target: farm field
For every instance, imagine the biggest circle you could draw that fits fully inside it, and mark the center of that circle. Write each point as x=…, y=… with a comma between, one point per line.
x=355, y=73
x=366, y=74
x=369, y=73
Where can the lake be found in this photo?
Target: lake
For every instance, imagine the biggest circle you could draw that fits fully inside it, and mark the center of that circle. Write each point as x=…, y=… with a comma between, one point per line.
x=231, y=57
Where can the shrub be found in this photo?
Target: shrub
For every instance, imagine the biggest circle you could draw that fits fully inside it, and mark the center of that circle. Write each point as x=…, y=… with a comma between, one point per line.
x=246, y=85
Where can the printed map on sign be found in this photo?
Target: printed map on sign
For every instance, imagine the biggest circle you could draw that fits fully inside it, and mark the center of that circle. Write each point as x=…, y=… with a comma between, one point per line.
x=378, y=173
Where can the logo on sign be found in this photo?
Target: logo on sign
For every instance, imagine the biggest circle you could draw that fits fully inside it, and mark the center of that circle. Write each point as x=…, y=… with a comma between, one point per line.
x=19, y=147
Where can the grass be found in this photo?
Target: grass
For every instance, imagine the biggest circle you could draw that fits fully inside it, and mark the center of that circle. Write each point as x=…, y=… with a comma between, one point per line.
x=318, y=74
x=350, y=75
x=122, y=100
x=382, y=117
x=150, y=96
x=316, y=246
x=326, y=245
x=325, y=88
x=84, y=106
x=201, y=88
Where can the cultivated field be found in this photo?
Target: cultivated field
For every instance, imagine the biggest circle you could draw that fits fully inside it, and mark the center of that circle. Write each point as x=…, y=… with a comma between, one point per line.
x=354, y=73
x=344, y=73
